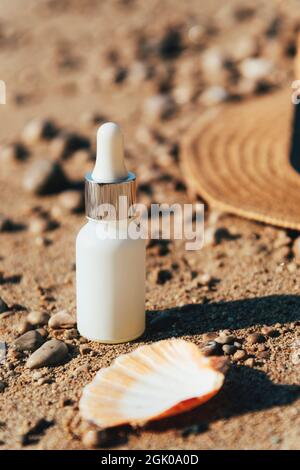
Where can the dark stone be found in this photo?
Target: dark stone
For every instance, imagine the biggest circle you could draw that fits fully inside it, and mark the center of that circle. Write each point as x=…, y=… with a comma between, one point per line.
x=45, y=177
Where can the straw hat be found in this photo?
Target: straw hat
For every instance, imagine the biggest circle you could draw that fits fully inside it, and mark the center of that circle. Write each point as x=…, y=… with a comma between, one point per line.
x=241, y=159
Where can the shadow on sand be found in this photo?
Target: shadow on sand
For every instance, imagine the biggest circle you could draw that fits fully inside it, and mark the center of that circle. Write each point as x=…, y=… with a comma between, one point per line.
x=246, y=389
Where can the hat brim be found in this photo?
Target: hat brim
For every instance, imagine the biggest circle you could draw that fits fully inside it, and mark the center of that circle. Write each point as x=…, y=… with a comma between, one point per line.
x=237, y=157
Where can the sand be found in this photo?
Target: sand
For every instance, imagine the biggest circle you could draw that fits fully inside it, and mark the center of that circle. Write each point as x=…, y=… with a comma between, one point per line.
x=57, y=59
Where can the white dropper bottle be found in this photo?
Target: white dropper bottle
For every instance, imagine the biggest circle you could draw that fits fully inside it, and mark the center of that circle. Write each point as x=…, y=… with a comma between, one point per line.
x=110, y=265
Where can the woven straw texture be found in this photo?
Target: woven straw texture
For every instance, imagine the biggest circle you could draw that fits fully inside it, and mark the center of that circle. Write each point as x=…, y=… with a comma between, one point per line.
x=237, y=159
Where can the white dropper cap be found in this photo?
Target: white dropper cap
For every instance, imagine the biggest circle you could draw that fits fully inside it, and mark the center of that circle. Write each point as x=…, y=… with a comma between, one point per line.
x=110, y=166
x=110, y=179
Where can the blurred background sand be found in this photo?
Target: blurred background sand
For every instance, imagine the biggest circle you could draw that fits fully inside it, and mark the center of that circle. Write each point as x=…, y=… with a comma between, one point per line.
x=153, y=67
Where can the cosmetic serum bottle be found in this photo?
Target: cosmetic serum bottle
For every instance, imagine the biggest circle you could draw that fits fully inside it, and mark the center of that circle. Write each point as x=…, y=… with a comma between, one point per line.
x=110, y=263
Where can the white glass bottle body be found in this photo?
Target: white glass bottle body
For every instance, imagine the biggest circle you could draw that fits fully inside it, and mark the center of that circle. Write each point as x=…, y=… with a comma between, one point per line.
x=110, y=282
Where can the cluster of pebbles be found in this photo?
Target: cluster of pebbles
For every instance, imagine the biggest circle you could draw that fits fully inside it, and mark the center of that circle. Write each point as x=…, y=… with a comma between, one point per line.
x=191, y=64
x=254, y=347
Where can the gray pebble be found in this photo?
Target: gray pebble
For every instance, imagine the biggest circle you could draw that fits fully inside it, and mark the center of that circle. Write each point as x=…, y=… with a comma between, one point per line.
x=212, y=348
x=225, y=339
x=24, y=327
x=239, y=355
x=37, y=375
x=52, y=353
x=29, y=341
x=255, y=338
x=229, y=349
x=45, y=177
x=38, y=318
x=3, y=385
x=61, y=320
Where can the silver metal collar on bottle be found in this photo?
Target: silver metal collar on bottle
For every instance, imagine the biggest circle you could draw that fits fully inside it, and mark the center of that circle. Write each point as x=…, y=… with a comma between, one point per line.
x=104, y=201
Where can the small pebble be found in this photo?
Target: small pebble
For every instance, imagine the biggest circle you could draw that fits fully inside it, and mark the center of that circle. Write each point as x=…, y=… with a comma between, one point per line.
x=159, y=107
x=256, y=68
x=3, y=306
x=44, y=380
x=38, y=318
x=81, y=370
x=138, y=72
x=13, y=152
x=225, y=339
x=37, y=375
x=209, y=336
x=45, y=177
x=52, y=353
x=245, y=47
x=24, y=327
x=212, y=348
x=61, y=320
x=291, y=267
x=91, y=439
x=250, y=362
x=38, y=129
x=255, y=338
x=96, y=438
x=196, y=34
x=29, y=341
x=239, y=355
x=71, y=200
x=228, y=349
x=269, y=331
x=65, y=144
x=212, y=62
x=204, y=279
x=38, y=225
x=2, y=386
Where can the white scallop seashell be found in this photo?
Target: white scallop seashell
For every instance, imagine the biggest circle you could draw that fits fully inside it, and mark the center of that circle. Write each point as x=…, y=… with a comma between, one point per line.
x=152, y=382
